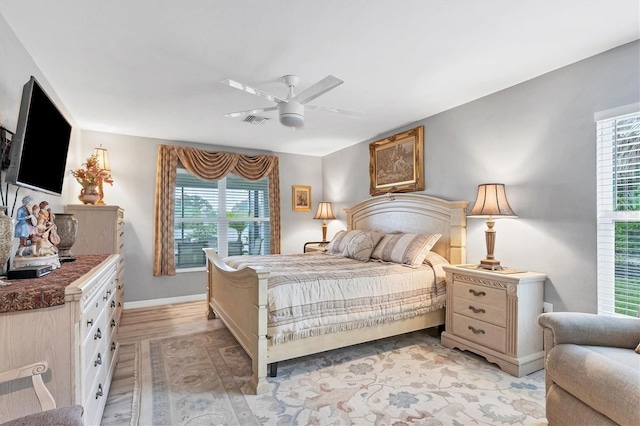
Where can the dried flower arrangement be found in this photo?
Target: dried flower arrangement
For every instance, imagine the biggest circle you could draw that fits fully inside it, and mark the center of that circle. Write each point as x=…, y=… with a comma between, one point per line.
x=91, y=174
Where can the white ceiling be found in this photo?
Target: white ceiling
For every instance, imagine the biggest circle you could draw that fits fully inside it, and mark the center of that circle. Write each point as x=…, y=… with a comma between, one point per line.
x=151, y=68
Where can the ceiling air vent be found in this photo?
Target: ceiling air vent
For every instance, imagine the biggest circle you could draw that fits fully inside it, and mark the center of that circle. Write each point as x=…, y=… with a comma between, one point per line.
x=254, y=119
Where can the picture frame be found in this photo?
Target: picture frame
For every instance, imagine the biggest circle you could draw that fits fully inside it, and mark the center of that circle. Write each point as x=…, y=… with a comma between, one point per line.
x=396, y=163
x=301, y=196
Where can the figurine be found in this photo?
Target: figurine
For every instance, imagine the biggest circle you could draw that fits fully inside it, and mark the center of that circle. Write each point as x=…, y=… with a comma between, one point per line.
x=25, y=223
x=48, y=219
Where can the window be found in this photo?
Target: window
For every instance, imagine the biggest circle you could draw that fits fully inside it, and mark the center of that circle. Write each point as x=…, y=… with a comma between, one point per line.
x=230, y=215
x=618, y=156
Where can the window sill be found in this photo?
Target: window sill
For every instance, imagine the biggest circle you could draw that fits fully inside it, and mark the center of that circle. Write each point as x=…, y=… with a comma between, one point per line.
x=198, y=269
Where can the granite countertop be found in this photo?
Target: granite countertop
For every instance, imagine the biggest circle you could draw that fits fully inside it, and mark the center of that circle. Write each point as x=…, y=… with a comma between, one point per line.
x=46, y=291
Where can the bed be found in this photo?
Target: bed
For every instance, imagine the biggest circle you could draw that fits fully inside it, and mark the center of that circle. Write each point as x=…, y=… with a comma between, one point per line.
x=238, y=296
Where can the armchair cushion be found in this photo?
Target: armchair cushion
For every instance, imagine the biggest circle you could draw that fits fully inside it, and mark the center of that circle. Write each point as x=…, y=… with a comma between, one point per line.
x=65, y=416
x=605, y=379
x=592, y=371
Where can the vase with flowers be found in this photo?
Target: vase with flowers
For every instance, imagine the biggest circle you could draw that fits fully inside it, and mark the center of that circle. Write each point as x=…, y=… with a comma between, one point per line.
x=91, y=177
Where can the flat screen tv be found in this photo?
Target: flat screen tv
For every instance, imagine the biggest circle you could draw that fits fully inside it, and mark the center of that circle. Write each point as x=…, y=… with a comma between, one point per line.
x=41, y=143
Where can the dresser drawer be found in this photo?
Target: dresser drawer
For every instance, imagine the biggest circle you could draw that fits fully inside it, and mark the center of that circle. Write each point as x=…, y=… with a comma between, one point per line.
x=480, y=311
x=96, y=397
x=94, y=355
x=100, y=306
x=483, y=333
x=480, y=294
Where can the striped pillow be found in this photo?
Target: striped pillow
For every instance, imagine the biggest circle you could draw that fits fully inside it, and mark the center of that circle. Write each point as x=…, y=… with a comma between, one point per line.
x=406, y=249
x=356, y=244
x=334, y=245
x=360, y=244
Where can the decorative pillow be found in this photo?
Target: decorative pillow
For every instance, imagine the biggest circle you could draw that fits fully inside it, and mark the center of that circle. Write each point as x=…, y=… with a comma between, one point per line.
x=406, y=249
x=436, y=262
x=334, y=245
x=433, y=259
x=638, y=348
x=360, y=244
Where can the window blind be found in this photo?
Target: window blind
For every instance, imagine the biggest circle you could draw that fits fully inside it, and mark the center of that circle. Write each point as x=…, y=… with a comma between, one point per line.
x=230, y=215
x=618, y=189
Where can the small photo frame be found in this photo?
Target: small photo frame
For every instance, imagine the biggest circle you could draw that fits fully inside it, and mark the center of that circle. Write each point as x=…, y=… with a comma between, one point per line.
x=301, y=198
x=397, y=163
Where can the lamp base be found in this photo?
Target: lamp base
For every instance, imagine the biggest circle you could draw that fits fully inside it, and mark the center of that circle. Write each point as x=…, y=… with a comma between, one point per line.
x=491, y=264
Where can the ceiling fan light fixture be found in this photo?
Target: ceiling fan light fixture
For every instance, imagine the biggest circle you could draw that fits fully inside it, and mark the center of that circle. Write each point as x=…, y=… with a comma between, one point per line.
x=291, y=114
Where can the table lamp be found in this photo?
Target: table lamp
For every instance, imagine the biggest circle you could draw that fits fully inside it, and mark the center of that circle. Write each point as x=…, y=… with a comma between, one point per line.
x=103, y=164
x=325, y=213
x=491, y=201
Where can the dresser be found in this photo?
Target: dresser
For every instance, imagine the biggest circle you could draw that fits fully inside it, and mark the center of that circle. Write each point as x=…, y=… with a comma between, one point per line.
x=76, y=335
x=101, y=231
x=494, y=314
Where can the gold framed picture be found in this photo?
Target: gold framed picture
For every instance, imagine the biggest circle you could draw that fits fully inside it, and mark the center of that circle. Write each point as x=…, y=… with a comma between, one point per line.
x=301, y=198
x=396, y=164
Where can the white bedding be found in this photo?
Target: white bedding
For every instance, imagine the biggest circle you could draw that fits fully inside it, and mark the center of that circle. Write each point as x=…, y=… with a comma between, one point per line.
x=315, y=293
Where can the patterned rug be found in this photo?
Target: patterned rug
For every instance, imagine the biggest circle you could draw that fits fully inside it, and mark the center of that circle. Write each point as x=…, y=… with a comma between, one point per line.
x=202, y=379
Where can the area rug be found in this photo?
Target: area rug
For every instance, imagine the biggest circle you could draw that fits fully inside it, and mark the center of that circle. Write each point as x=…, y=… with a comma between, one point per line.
x=203, y=379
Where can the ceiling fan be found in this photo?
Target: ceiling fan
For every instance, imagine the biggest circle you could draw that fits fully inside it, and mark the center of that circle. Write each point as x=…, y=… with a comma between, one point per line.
x=291, y=109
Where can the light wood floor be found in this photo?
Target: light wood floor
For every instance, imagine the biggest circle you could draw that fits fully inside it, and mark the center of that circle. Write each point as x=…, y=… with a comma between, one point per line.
x=141, y=324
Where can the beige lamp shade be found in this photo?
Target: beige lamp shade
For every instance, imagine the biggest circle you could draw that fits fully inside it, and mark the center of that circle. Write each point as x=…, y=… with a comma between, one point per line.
x=491, y=201
x=325, y=213
x=103, y=163
x=103, y=158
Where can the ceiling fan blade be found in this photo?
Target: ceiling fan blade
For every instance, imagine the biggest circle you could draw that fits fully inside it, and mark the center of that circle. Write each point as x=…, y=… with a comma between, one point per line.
x=320, y=88
x=341, y=111
x=250, y=111
x=252, y=90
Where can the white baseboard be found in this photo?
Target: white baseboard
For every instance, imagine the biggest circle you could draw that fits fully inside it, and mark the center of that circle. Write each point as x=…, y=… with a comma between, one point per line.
x=165, y=301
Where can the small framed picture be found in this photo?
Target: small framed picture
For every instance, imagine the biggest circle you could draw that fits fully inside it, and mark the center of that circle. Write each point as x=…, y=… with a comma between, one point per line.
x=301, y=198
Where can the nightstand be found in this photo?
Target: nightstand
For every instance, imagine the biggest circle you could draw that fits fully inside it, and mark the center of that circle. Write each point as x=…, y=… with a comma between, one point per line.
x=494, y=314
x=312, y=246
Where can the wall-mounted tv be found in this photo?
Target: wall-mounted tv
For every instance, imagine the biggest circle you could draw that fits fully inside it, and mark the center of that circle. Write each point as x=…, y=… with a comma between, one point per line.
x=41, y=143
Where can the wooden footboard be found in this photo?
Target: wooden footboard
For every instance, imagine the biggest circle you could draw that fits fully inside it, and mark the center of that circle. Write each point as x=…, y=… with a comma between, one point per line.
x=239, y=298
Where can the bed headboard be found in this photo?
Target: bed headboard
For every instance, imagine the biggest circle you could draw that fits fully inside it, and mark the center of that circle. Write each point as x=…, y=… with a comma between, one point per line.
x=415, y=213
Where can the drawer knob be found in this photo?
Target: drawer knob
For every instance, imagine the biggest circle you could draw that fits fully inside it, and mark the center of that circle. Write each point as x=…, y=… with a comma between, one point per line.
x=477, y=293
x=113, y=303
x=477, y=310
x=99, y=393
x=90, y=322
x=113, y=323
x=98, y=360
x=475, y=331
x=98, y=335
x=113, y=346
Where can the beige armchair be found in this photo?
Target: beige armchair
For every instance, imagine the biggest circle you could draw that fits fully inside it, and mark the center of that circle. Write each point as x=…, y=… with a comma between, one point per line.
x=50, y=415
x=592, y=372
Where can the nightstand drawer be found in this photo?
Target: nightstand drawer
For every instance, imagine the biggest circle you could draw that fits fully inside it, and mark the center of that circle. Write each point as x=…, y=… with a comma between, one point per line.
x=480, y=311
x=486, y=334
x=480, y=294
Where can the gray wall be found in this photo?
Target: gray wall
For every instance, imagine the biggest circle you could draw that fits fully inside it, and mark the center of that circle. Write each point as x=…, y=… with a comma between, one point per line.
x=133, y=160
x=133, y=164
x=16, y=67
x=539, y=139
